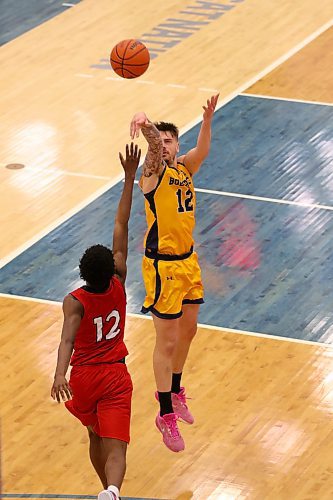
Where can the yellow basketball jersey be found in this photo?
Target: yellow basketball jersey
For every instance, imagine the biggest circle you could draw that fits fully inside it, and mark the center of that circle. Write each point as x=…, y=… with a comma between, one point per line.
x=170, y=213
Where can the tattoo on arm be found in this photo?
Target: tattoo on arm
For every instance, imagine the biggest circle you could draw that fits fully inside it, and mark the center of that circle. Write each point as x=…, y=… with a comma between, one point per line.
x=153, y=161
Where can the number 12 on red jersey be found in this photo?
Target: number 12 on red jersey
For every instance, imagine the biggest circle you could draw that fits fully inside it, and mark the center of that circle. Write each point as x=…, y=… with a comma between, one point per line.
x=114, y=330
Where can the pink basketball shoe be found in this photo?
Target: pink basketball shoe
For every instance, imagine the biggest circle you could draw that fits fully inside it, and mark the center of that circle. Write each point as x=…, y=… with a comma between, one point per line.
x=167, y=425
x=180, y=407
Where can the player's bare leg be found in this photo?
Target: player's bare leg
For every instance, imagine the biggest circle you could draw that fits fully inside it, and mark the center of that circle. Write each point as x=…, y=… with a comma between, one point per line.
x=166, y=420
x=97, y=455
x=165, y=345
x=115, y=467
x=187, y=330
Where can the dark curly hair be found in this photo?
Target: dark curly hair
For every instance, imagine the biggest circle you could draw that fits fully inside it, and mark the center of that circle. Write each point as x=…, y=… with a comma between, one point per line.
x=97, y=266
x=167, y=127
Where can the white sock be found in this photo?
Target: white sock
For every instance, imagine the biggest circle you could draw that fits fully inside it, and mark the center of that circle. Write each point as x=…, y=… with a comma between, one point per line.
x=114, y=489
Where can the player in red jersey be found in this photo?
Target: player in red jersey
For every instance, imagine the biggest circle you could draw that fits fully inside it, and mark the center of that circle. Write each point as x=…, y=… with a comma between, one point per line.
x=99, y=391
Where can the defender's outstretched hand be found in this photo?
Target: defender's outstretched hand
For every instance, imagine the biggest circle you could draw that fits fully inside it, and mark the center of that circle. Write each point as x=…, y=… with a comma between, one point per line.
x=132, y=159
x=210, y=108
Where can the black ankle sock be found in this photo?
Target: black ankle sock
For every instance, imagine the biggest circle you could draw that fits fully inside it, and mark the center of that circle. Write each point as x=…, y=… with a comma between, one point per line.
x=165, y=402
x=176, y=378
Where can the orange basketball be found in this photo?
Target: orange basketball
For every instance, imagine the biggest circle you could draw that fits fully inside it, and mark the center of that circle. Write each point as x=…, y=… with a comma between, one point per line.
x=129, y=58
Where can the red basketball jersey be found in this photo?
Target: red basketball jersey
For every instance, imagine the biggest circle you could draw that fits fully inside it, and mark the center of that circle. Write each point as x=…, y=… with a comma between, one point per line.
x=100, y=338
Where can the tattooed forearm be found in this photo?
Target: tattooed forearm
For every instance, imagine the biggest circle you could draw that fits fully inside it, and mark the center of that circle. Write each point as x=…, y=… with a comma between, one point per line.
x=153, y=161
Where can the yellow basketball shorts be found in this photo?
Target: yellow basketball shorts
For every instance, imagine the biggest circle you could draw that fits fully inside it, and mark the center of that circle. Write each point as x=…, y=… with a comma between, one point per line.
x=170, y=284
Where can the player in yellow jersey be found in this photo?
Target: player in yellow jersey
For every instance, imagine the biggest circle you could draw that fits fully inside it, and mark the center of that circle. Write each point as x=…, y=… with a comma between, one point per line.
x=171, y=270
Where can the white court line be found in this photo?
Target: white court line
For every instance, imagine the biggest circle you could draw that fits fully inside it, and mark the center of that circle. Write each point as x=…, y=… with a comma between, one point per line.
x=113, y=78
x=262, y=73
x=204, y=89
x=149, y=82
x=66, y=172
x=261, y=198
x=244, y=332
x=191, y=124
x=59, y=221
x=69, y=4
x=145, y=82
x=200, y=325
x=30, y=299
x=176, y=86
x=84, y=75
x=287, y=99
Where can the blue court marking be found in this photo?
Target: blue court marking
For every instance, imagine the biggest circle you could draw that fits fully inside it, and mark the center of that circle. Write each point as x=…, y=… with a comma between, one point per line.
x=172, y=31
x=266, y=267
x=17, y=18
x=270, y=148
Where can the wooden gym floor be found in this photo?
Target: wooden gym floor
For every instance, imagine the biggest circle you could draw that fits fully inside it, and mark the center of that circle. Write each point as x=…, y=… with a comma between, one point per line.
x=260, y=369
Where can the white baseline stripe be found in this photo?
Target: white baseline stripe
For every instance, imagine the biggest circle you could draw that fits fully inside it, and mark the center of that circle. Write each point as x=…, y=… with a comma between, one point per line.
x=275, y=98
x=59, y=221
x=261, y=198
x=264, y=72
x=200, y=325
x=244, y=332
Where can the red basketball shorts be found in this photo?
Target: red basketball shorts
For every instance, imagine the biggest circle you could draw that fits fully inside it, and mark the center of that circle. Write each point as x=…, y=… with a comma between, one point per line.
x=102, y=397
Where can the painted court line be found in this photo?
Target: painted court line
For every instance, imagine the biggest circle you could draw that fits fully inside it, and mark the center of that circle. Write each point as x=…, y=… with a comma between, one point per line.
x=245, y=332
x=204, y=89
x=145, y=82
x=59, y=221
x=113, y=78
x=263, y=73
x=84, y=75
x=185, y=129
x=62, y=496
x=200, y=325
x=48, y=495
x=68, y=173
x=287, y=99
x=109, y=185
x=262, y=198
x=176, y=86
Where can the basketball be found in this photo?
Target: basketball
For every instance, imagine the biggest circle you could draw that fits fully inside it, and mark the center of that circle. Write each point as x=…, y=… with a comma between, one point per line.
x=129, y=58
